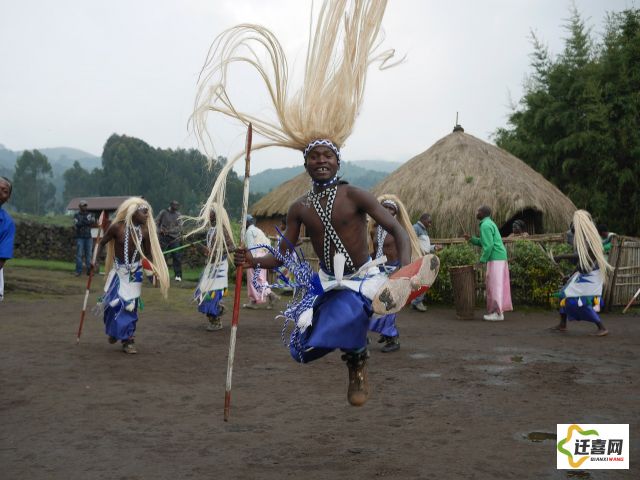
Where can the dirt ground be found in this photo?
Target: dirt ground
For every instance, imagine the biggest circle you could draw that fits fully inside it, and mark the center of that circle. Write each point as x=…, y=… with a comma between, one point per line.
x=456, y=402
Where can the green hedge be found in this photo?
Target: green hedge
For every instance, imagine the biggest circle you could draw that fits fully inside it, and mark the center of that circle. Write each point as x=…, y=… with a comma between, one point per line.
x=534, y=276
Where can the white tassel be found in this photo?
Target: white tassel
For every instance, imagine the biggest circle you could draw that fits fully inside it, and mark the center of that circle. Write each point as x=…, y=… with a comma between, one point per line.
x=580, y=302
x=114, y=302
x=305, y=320
x=339, y=261
x=130, y=306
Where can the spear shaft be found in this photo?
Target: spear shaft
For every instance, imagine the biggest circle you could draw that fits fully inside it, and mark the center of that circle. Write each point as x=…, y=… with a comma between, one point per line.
x=94, y=258
x=236, y=298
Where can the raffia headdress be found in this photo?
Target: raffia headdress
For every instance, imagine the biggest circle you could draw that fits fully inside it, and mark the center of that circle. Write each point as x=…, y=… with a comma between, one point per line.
x=588, y=243
x=343, y=43
x=403, y=219
x=125, y=214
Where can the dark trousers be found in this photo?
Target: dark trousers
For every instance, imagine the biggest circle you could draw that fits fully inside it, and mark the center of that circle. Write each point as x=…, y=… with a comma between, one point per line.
x=168, y=243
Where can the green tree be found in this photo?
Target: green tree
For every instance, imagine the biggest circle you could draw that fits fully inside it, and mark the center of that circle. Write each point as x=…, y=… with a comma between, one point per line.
x=132, y=167
x=33, y=192
x=620, y=79
x=78, y=182
x=577, y=123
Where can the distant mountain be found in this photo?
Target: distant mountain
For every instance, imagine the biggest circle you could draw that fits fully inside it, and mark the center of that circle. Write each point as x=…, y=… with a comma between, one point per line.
x=377, y=165
x=7, y=158
x=357, y=173
x=267, y=180
x=361, y=177
x=60, y=158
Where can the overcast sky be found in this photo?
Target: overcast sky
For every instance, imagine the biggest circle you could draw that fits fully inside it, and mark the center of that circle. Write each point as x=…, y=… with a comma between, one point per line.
x=76, y=71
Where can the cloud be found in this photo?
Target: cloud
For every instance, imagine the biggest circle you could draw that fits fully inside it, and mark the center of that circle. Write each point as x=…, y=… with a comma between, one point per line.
x=75, y=72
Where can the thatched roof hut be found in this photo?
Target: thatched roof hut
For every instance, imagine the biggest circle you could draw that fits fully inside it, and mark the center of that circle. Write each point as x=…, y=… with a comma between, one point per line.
x=461, y=172
x=275, y=204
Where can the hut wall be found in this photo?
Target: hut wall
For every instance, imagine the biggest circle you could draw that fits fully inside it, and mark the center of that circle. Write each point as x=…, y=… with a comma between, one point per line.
x=532, y=219
x=268, y=225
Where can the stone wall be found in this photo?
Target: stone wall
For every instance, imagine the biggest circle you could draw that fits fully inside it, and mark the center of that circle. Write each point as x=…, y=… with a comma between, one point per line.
x=45, y=242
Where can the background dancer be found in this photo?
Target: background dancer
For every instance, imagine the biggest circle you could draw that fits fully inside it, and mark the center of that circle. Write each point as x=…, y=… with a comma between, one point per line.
x=581, y=296
x=421, y=229
x=214, y=280
x=252, y=238
x=130, y=238
x=384, y=244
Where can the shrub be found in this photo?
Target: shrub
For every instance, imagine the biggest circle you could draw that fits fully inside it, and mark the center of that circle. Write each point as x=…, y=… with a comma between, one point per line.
x=534, y=276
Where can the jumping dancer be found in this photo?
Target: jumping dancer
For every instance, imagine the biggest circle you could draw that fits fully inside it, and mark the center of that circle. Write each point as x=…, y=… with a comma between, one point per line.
x=317, y=119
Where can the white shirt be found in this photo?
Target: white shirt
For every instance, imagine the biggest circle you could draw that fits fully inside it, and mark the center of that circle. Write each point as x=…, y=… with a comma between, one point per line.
x=423, y=238
x=254, y=236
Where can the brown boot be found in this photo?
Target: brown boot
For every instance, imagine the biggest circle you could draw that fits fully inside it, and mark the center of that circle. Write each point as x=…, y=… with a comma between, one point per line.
x=129, y=347
x=392, y=344
x=358, y=391
x=215, y=323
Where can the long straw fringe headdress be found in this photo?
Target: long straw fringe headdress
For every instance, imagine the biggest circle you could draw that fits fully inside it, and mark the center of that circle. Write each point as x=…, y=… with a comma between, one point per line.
x=158, y=265
x=324, y=107
x=588, y=243
x=404, y=220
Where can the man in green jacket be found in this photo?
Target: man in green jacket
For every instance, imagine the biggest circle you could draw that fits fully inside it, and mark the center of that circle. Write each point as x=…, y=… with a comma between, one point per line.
x=494, y=255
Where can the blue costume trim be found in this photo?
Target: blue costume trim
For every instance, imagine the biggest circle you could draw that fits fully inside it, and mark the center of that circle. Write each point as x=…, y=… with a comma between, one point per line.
x=211, y=305
x=118, y=321
x=340, y=316
x=211, y=300
x=580, y=299
x=384, y=325
x=340, y=320
x=580, y=308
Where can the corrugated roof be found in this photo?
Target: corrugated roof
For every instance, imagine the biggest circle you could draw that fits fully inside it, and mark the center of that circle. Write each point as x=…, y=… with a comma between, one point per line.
x=97, y=203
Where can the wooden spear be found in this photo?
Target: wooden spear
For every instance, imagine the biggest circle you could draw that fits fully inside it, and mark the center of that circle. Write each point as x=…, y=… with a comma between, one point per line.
x=631, y=301
x=236, y=298
x=101, y=221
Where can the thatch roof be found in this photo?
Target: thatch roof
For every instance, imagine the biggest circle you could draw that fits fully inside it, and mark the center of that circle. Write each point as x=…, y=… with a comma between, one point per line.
x=277, y=201
x=461, y=172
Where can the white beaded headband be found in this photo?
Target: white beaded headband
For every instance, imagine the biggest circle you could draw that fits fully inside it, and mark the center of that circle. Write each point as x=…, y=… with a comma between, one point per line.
x=324, y=143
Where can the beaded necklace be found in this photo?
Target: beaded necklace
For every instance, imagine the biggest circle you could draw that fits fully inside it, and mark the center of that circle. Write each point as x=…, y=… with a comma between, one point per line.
x=330, y=234
x=137, y=231
x=381, y=234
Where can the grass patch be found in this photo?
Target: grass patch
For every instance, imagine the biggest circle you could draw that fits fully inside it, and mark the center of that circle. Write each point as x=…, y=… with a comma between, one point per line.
x=59, y=220
x=189, y=274
x=58, y=265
